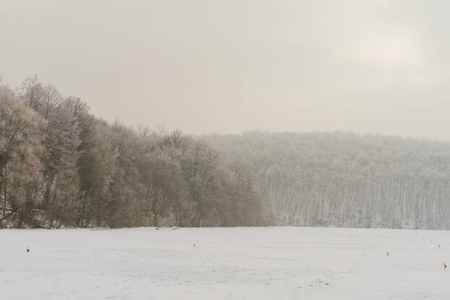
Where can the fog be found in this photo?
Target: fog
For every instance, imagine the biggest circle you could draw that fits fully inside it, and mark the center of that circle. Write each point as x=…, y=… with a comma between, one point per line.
x=233, y=66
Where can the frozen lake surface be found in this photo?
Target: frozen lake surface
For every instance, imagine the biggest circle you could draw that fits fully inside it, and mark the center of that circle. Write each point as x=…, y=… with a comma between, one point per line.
x=225, y=263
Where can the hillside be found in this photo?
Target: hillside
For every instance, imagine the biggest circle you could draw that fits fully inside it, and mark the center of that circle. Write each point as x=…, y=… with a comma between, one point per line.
x=345, y=179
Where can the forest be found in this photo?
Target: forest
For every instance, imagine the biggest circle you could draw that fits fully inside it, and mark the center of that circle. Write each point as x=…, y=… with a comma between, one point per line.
x=61, y=166
x=345, y=179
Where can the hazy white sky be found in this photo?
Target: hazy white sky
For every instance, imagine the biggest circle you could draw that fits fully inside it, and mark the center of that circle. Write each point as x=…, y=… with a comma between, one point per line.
x=232, y=66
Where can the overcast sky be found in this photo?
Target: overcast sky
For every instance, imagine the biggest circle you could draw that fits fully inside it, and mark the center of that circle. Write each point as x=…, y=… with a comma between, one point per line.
x=233, y=66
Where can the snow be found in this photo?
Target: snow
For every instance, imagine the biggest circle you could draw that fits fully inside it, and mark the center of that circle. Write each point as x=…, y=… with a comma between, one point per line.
x=225, y=263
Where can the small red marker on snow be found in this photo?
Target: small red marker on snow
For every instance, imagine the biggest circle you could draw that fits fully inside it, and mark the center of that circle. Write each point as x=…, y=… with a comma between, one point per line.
x=28, y=250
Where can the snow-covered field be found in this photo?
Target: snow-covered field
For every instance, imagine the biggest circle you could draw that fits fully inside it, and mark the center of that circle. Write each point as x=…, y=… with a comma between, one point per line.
x=225, y=263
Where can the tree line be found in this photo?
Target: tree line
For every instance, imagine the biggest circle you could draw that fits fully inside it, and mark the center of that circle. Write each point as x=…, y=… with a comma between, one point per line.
x=345, y=179
x=60, y=166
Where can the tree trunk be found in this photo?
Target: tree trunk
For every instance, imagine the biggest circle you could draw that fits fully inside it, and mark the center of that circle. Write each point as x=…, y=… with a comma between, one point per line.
x=6, y=223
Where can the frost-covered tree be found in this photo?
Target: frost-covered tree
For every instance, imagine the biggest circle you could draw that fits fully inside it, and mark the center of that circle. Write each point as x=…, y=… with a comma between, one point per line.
x=123, y=207
x=97, y=168
x=202, y=173
x=163, y=186
x=62, y=139
x=21, y=147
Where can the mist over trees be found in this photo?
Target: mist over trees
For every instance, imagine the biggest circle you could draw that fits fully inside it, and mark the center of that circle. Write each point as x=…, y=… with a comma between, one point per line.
x=345, y=179
x=60, y=166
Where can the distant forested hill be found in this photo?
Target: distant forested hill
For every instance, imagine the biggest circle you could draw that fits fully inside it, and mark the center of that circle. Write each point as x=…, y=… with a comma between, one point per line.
x=345, y=179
